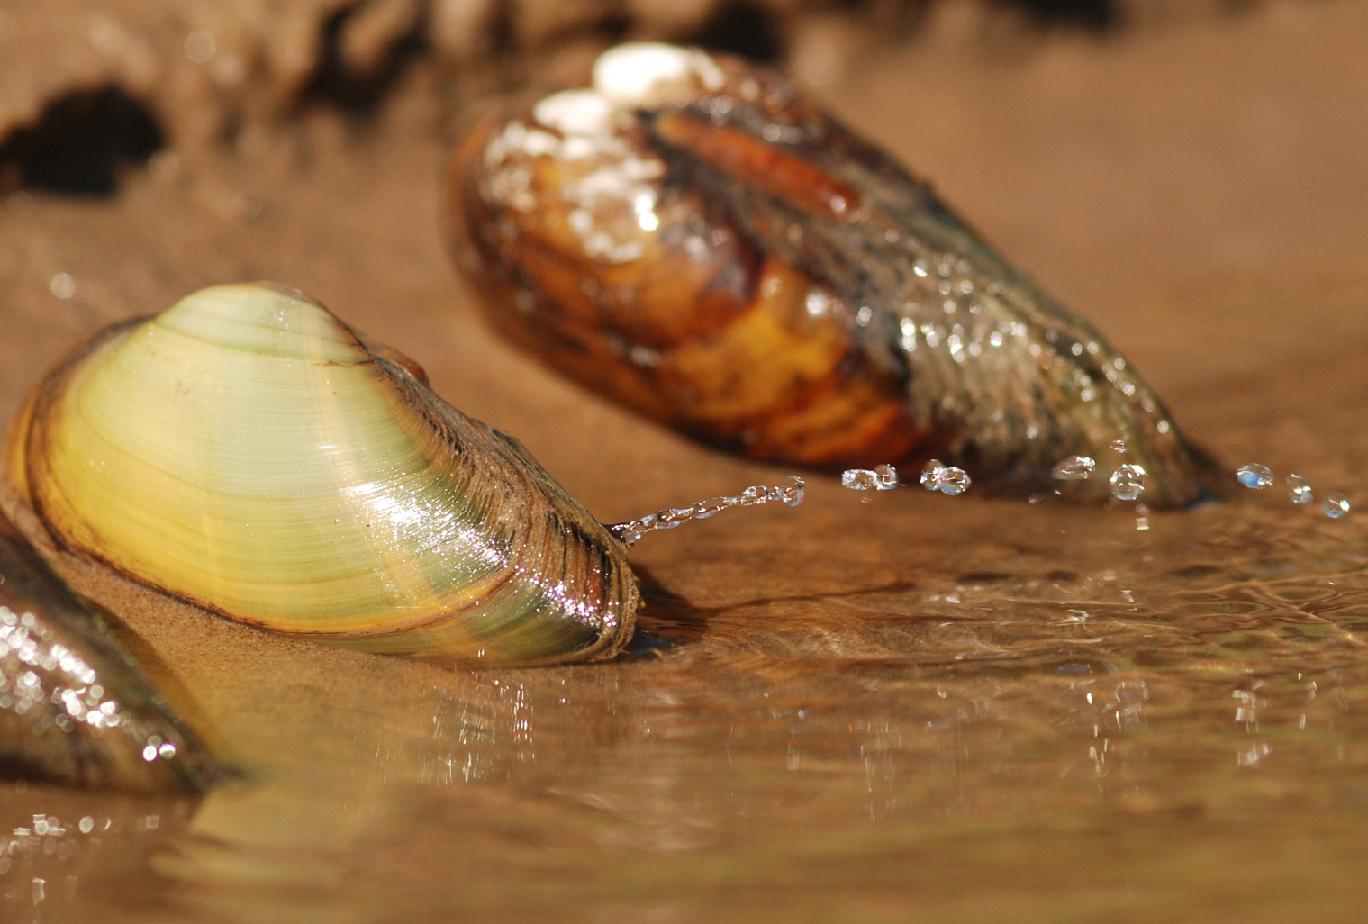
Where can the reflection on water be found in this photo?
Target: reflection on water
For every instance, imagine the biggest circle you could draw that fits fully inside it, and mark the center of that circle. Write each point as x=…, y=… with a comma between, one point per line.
x=806, y=732
x=97, y=850
x=1199, y=679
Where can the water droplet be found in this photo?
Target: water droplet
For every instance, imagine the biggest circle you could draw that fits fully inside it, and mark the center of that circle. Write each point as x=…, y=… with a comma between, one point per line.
x=1253, y=475
x=1336, y=506
x=673, y=516
x=200, y=47
x=859, y=479
x=887, y=477
x=1128, y=482
x=1299, y=490
x=1118, y=446
x=1141, y=518
x=1074, y=468
x=954, y=481
x=931, y=475
x=62, y=285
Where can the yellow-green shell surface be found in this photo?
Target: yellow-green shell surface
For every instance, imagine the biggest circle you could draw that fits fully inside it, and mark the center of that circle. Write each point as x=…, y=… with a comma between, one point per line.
x=246, y=451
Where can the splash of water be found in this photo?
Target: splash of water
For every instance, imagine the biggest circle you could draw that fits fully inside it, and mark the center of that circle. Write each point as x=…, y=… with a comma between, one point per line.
x=790, y=494
x=879, y=478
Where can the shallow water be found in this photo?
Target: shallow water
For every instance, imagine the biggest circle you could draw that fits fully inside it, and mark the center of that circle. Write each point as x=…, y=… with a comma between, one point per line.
x=875, y=706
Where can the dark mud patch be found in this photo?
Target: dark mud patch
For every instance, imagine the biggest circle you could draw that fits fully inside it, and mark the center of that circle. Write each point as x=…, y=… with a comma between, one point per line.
x=81, y=144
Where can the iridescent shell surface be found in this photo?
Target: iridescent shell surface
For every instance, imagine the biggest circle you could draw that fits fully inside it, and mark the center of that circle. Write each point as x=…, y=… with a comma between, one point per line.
x=696, y=238
x=74, y=709
x=248, y=452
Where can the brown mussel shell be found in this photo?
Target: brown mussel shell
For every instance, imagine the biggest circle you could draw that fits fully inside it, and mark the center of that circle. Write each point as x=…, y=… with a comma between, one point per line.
x=697, y=239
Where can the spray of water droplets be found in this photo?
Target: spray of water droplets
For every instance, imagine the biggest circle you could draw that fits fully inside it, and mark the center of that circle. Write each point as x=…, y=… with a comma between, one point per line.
x=947, y=479
x=1257, y=476
x=935, y=476
x=879, y=478
x=1127, y=482
x=790, y=494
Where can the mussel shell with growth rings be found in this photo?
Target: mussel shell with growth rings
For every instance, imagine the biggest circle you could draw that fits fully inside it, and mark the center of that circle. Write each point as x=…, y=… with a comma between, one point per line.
x=249, y=453
x=694, y=237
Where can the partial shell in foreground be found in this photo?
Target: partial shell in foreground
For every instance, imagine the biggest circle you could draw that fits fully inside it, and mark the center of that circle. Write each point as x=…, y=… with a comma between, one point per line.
x=249, y=453
x=74, y=708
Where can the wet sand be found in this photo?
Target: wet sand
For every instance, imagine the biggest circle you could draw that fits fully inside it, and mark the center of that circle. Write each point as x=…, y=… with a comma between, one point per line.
x=911, y=707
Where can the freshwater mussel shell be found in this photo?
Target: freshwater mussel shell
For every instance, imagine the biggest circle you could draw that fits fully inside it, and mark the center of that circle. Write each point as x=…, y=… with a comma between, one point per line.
x=694, y=237
x=75, y=709
x=247, y=452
